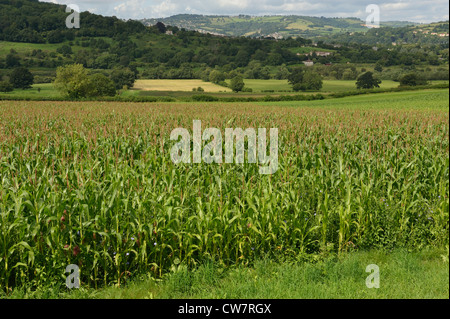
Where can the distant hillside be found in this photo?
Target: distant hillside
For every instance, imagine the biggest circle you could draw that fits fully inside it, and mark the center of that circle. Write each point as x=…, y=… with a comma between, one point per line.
x=425, y=34
x=33, y=35
x=275, y=26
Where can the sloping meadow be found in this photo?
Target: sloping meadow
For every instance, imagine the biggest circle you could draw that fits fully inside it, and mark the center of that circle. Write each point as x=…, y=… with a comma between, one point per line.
x=92, y=184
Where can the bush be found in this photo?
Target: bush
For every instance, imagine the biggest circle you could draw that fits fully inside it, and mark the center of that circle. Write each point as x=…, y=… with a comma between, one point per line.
x=123, y=77
x=412, y=79
x=216, y=76
x=223, y=83
x=100, y=85
x=43, y=79
x=237, y=84
x=246, y=89
x=75, y=82
x=367, y=81
x=5, y=86
x=302, y=80
x=21, y=78
x=204, y=98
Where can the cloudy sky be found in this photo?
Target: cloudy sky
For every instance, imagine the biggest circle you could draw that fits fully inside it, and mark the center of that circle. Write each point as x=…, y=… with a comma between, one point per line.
x=402, y=10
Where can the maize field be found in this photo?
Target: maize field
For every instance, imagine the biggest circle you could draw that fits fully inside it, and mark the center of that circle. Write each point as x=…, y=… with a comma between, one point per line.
x=92, y=184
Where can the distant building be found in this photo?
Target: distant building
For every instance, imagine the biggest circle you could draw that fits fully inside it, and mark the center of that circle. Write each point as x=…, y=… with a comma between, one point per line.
x=318, y=53
x=321, y=53
x=308, y=62
x=169, y=32
x=276, y=36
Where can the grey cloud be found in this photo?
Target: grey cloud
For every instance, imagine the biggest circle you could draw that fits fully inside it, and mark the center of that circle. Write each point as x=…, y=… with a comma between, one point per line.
x=419, y=11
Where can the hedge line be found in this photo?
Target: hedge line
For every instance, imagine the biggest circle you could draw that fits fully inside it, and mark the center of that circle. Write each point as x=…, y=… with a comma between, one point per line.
x=211, y=98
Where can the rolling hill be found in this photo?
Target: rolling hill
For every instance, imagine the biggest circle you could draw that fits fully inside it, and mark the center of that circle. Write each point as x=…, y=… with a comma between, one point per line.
x=275, y=25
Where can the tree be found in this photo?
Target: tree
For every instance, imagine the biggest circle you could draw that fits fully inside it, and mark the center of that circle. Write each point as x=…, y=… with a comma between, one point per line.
x=237, y=83
x=161, y=27
x=74, y=81
x=65, y=49
x=71, y=80
x=55, y=36
x=412, y=79
x=378, y=67
x=122, y=78
x=367, y=81
x=100, y=85
x=282, y=73
x=5, y=86
x=12, y=60
x=21, y=78
x=216, y=76
x=296, y=76
x=312, y=81
x=302, y=80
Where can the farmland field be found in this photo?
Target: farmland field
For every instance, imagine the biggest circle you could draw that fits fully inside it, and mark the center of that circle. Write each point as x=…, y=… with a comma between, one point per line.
x=178, y=85
x=183, y=88
x=92, y=184
x=255, y=84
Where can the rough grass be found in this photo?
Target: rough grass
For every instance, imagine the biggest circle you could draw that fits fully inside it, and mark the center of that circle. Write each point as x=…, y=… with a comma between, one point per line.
x=403, y=275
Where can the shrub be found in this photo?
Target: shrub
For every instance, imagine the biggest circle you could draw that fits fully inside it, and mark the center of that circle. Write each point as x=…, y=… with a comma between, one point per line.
x=302, y=80
x=204, y=98
x=100, y=85
x=412, y=79
x=237, y=84
x=216, y=76
x=367, y=81
x=21, y=78
x=6, y=86
x=75, y=82
x=123, y=77
x=43, y=79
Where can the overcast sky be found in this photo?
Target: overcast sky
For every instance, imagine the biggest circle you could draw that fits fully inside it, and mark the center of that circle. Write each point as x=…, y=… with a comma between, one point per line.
x=400, y=10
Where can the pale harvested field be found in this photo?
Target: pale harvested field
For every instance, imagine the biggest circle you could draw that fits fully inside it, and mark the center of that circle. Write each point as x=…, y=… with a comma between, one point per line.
x=177, y=85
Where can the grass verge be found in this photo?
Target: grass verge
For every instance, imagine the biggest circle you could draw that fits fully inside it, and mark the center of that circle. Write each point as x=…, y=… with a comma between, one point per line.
x=403, y=275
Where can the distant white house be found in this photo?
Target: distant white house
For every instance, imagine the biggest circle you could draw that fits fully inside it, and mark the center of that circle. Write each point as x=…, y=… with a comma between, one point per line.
x=276, y=36
x=320, y=53
x=308, y=62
